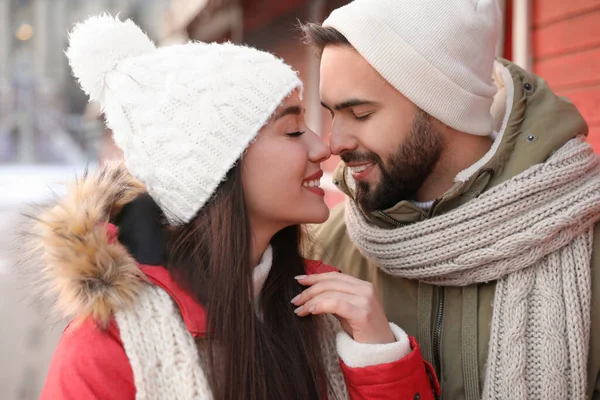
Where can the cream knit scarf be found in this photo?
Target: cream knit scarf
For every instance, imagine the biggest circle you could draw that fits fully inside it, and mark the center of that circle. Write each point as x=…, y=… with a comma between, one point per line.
x=533, y=234
x=164, y=357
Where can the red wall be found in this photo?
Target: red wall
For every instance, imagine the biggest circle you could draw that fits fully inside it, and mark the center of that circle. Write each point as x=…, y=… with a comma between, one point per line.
x=260, y=12
x=566, y=52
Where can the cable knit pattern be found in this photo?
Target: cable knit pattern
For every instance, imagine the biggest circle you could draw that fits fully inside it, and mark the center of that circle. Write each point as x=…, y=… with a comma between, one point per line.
x=183, y=115
x=533, y=234
x=164, y=357
x=162, y=353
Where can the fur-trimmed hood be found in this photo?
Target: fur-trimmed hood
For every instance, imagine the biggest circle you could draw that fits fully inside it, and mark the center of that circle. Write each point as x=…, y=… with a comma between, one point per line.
x=84, y=267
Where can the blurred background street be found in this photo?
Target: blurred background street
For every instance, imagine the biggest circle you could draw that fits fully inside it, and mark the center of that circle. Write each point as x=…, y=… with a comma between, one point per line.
x=48, y=134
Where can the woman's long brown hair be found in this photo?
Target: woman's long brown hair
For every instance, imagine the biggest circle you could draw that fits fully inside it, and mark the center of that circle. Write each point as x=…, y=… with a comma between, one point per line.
x=275, y=356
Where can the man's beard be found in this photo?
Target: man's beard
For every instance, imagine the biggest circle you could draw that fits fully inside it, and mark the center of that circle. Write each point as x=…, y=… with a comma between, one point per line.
x=405, y=171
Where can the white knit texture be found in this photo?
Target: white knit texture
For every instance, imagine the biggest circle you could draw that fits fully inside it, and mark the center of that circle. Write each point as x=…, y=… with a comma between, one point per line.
x=533, y=234
x=164, y=357
x=92, y=52
x=437, y=53
x=161, y=351
x=183, y=115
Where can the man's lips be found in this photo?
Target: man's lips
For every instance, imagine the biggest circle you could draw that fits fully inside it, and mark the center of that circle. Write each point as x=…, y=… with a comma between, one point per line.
x=360, y=171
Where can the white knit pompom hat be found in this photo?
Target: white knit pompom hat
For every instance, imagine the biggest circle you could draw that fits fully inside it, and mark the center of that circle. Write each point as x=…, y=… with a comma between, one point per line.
x=183, y=115
x=437, y=53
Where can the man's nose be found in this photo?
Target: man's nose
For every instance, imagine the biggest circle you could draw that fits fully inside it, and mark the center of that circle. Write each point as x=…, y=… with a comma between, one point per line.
x=341, y=141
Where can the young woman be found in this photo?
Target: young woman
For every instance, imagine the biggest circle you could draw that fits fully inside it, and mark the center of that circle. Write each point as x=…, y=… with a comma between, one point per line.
x=182, y=270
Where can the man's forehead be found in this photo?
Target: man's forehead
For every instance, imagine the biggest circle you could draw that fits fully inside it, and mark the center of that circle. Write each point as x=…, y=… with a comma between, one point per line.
x=345, y=75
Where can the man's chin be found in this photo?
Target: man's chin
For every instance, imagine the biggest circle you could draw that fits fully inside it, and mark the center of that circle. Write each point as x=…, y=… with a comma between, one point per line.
x=365, y=198
x=370, y=201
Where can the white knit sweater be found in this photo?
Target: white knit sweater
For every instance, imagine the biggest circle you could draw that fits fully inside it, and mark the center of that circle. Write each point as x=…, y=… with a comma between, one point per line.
x=165, y=361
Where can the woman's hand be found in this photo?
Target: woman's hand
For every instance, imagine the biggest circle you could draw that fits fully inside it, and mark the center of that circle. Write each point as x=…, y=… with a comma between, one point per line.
x=351, y=300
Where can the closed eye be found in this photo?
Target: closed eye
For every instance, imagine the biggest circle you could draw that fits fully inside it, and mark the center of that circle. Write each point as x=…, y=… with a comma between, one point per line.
x=295, y=134
x=363, y=117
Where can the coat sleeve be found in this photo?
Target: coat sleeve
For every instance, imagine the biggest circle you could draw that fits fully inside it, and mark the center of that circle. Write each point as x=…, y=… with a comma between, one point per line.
x=89, y=363
x=593, y=372
x=390, y=371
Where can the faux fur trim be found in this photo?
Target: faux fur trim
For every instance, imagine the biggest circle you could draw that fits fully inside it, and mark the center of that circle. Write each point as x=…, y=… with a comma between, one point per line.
x=88, y=273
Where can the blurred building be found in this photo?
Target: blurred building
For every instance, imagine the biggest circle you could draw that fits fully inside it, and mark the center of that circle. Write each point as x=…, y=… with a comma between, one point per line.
x=40, y=105
x=45, y=139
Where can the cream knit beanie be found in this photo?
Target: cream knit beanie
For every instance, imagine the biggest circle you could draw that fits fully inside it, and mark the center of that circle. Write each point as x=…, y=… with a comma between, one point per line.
x=183, y=115
x=437, y=53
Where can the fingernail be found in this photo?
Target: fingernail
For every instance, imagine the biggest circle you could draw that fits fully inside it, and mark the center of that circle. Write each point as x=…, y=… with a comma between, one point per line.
x=300, y=277
x=295, y=299
x=299, y=309
x=311, y=309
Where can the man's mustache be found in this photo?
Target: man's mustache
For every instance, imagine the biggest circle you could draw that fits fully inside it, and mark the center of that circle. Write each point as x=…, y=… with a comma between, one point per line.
x=360, y=157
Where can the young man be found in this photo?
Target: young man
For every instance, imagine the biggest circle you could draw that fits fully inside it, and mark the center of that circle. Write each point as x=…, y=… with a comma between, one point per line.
x=473, y=198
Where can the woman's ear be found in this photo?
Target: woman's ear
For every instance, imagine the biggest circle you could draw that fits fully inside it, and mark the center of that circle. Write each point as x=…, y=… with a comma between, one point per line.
x=142, y=232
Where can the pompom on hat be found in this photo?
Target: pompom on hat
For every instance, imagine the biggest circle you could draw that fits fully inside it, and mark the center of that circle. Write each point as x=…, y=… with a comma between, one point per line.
x=184, y=114
x=97, y=46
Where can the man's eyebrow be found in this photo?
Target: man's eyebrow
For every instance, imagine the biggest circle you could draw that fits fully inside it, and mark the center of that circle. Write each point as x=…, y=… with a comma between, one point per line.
x=292, y=110
x=349, y=103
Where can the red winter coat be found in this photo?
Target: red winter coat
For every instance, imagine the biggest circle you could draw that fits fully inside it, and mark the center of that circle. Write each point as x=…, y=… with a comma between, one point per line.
x=90, y=363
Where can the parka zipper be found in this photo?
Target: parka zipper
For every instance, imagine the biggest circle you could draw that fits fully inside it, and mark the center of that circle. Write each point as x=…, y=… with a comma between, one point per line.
x=437, y=333
x=390, y=219
x=439, y=317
